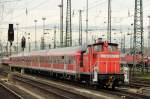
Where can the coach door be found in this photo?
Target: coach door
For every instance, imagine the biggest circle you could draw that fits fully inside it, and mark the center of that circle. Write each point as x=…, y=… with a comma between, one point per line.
x=65, y=65
x=87, y=60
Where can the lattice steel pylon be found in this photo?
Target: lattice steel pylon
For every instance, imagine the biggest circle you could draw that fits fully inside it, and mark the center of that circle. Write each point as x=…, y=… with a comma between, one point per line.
x=149, y=34
x=138, y=44
x=80, y=27
x=68, y=36
x=109, y=22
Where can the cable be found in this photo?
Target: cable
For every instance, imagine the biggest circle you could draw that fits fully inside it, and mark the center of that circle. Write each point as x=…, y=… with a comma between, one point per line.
x=96, y=1
x=84, y=8
x=97, y=5
x=40, y=4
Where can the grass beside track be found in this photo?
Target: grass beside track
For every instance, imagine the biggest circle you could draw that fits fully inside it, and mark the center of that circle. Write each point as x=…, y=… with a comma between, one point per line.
x=143, y=76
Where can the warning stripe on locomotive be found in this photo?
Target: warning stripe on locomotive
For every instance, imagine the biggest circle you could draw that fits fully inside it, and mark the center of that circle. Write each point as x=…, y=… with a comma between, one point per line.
x=108, y=56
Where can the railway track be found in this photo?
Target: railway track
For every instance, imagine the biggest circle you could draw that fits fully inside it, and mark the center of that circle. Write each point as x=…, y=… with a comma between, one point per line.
x=118, y=92
x=65, y=94
x=139, y=83
x=129, y=95
x=7, y=93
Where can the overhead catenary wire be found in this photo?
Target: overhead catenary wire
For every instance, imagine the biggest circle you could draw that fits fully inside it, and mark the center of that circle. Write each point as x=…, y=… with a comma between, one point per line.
x=29, y=9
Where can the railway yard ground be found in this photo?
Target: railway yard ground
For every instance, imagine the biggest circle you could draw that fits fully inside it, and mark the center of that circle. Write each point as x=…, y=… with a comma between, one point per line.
x=142, y=83
x=37, y=87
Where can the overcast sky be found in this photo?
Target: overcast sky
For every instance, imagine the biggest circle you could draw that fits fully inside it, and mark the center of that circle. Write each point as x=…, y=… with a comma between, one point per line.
x=25, y=12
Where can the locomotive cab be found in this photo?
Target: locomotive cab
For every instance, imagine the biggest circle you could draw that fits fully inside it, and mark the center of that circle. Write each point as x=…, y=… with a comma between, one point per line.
x=108, y=61
x=102, y=60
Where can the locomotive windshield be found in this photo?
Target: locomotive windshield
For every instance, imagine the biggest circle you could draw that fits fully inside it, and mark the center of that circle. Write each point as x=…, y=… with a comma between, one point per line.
x=98, y=48
x=112, y=47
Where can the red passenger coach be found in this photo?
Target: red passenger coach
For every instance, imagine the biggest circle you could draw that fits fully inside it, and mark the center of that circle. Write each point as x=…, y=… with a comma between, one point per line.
x=94, y=64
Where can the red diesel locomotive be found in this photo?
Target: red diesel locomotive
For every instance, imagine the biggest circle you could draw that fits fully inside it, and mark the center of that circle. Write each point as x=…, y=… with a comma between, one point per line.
x=97, y=63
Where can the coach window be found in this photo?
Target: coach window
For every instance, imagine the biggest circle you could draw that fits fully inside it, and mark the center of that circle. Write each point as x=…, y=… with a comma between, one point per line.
x=53, y=59
x=33, y=59
x=28, y=59
x=56, y=59
x=49, y=59
x=66, y=59
x=40, y=59
x=69, y=60
x=46, y=59
x=62, y=57
x=73, y=60
x=36, y=59
x=59, y=59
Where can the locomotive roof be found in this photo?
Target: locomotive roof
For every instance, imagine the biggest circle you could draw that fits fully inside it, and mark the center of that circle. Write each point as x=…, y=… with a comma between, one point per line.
x=65, y=51
x=99, y=43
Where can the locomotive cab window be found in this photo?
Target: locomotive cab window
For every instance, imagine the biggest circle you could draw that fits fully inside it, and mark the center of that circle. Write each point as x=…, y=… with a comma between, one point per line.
x=113, y=47
x=87, y=51
x=98, y=48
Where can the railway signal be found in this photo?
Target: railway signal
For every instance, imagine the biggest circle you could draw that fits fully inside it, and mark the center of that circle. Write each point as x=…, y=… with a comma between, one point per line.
x=11, y=34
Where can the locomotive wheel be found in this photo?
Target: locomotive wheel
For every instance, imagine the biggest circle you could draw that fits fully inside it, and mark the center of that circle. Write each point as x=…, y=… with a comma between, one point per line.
x=107, y=86
x=113, y=86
